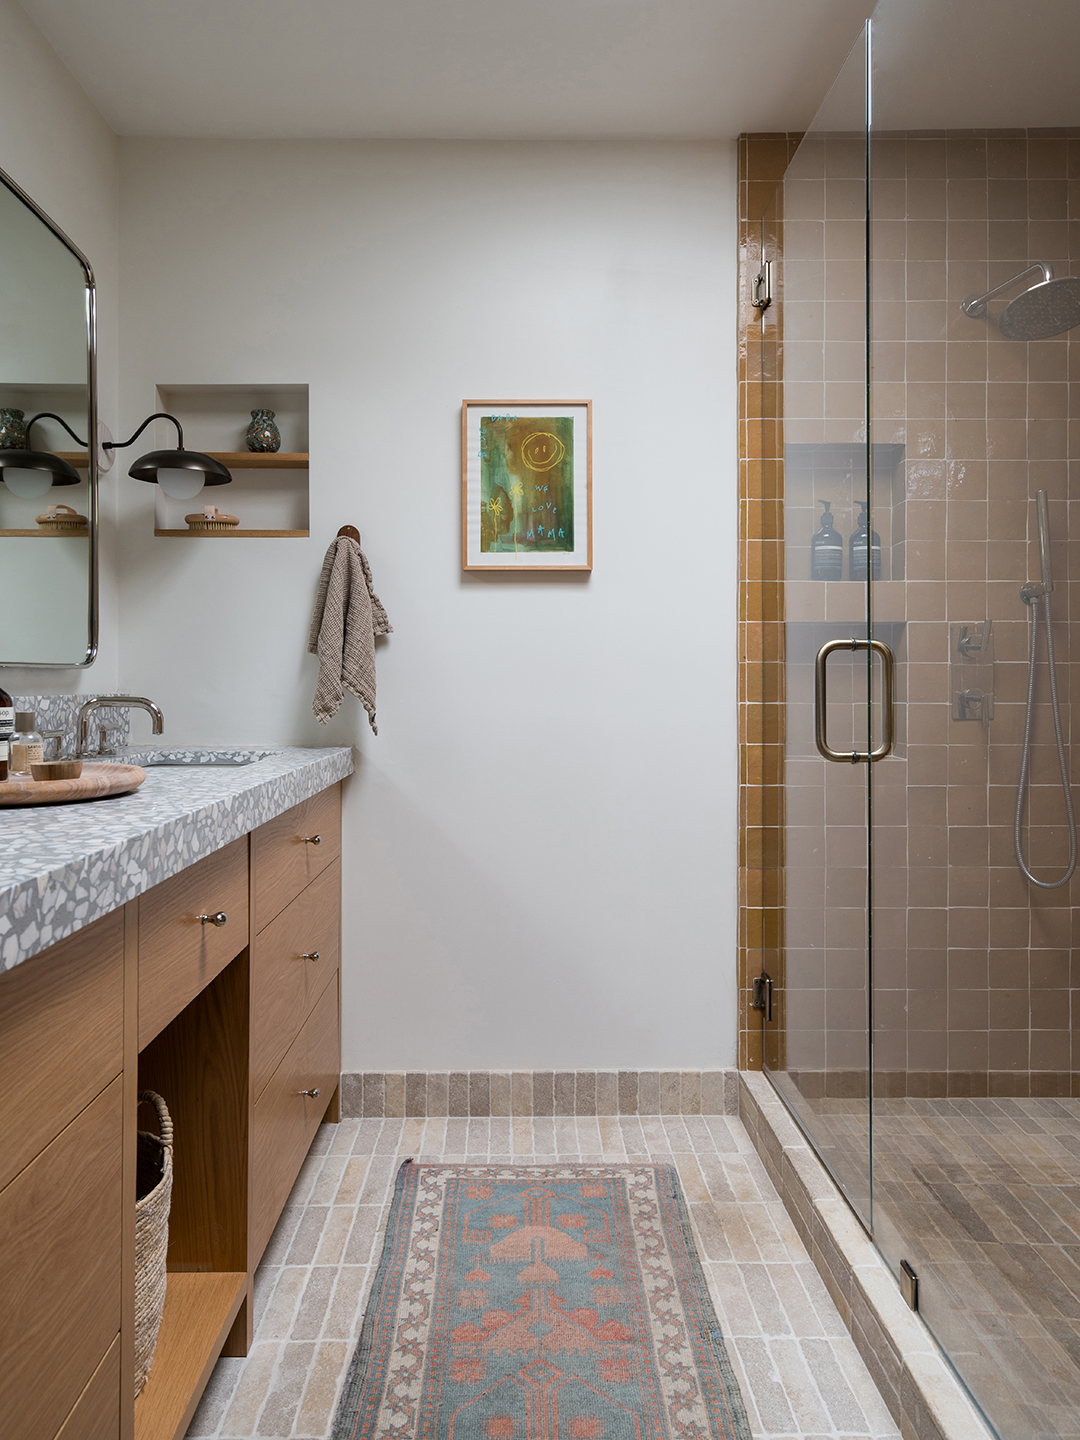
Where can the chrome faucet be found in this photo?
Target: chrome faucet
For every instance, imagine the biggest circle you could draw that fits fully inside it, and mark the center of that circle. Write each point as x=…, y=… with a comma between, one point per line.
x=109, y=702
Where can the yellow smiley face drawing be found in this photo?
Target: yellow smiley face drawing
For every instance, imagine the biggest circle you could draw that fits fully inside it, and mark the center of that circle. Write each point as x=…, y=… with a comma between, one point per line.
x=542, y=450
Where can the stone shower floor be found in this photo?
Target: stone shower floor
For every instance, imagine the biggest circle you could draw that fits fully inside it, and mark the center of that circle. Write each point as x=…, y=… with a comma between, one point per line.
x=800, y=1374
x=982, y=1198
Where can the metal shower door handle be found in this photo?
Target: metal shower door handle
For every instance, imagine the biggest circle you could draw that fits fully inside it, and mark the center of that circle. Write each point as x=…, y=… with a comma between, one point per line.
x=821, y=700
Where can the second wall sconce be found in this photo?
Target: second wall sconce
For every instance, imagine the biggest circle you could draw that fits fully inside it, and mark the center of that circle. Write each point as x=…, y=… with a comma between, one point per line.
x=32, y=473
x=180, y=473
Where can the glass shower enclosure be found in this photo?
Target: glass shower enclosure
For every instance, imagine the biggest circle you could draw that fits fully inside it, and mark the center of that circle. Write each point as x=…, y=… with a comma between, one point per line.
x=924, y=333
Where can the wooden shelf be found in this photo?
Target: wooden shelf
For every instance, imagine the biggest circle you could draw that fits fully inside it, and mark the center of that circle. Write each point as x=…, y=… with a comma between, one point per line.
x=260, y=460
x=232, y=534
x=231, y=459
x=200, y=1308
x=39, y=534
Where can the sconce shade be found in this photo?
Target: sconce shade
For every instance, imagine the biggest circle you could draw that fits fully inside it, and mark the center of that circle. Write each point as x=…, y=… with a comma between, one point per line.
x=212, y=471
x=30, y=473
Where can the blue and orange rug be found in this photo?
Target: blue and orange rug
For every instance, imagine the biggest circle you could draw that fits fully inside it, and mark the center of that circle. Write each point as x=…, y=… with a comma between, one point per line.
x=540, y=1302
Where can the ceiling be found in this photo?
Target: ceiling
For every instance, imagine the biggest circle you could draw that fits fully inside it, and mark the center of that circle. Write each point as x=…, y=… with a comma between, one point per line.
x=471, y=69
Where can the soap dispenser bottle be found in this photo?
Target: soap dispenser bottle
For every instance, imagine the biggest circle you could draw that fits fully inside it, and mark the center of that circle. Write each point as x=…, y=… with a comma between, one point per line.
x=7, y=729
x=27, y=746
x=857, y=548
x=826, y=549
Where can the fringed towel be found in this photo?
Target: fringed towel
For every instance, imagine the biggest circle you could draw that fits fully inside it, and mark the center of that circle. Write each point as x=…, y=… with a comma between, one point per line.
x=348, y=615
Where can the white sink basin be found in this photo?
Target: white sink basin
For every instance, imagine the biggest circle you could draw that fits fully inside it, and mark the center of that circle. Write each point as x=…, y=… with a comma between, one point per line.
x=211, y=755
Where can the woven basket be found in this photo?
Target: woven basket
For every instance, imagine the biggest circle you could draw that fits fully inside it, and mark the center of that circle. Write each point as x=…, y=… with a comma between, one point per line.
x=153, y=1194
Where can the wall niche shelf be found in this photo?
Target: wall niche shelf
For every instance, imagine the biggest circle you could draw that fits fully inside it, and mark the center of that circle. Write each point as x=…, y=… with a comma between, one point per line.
x=81, y=534
x=269, y=490
x=255, y=460
x=236, y=534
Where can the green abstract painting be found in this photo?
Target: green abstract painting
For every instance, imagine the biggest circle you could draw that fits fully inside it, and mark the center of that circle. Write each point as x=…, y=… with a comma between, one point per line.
x=526, y=484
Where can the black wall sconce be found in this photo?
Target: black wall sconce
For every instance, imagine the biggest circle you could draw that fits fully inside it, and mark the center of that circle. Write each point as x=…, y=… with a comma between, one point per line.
x=180, y=473
x=32, y=473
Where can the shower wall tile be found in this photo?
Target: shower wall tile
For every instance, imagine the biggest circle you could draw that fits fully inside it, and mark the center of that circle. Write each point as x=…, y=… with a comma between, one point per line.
x=985, y=422
x=762, y=162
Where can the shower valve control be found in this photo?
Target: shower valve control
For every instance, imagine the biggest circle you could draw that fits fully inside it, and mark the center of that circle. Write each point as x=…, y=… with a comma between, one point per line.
x=971, y=667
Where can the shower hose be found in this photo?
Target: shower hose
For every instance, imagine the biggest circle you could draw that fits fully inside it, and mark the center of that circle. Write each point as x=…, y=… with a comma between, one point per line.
x=1025, y=764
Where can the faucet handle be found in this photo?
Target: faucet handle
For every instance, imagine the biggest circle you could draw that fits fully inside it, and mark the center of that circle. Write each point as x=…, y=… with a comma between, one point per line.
x=58, y=736
x=104, y=746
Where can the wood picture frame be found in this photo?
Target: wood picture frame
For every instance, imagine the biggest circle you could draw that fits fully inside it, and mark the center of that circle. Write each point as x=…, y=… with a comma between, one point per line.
x=526, y=485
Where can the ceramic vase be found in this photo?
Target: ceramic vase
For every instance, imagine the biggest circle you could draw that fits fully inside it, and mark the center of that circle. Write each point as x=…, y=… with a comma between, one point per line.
x=12, y=429
x=262, y=434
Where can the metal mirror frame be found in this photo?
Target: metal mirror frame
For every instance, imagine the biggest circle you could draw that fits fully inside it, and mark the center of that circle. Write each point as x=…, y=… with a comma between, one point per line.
x=91, y=442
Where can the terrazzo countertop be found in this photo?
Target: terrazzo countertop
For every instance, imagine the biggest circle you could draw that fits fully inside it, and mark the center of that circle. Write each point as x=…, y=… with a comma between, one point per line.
x=64, y=866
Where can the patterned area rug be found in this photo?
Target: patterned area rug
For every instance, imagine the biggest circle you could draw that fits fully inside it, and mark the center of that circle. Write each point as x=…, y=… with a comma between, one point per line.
x=540, y=1302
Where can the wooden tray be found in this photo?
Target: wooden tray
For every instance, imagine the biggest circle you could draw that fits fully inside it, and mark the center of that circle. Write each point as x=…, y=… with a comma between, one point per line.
x=95, y=782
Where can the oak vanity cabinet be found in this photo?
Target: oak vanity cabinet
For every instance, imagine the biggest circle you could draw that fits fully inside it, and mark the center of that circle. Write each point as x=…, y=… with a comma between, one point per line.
x=219, y=988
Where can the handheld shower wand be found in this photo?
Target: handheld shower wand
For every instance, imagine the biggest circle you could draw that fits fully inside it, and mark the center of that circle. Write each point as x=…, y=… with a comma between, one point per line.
x=1032, y=595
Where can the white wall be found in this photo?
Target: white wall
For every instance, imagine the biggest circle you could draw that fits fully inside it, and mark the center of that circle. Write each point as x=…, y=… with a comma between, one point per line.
x=540, y=843
x=58, y=148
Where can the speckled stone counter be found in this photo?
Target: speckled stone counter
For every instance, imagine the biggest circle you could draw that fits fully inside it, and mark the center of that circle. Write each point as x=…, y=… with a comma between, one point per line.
x=64, y=866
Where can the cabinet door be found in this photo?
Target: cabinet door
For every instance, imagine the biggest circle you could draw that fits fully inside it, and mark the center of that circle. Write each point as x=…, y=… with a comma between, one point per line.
x=61, y=1037
x=96, y=1415
x=179, y=954
x=60, y=1263
x=291, y=850
x=285, y=980
x=285, y=1118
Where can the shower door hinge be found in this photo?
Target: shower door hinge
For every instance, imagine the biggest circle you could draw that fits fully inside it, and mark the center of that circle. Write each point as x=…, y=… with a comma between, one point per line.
x=763, y=994
x=761, y=287
x=909, y=1285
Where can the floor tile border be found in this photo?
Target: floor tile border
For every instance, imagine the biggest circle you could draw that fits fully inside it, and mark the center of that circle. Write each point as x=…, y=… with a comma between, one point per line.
x=459, y=1093
x=923, y=1395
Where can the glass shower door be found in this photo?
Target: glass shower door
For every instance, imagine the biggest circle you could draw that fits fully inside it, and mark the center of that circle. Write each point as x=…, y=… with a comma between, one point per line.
x=814, y=339
x=976, y=1121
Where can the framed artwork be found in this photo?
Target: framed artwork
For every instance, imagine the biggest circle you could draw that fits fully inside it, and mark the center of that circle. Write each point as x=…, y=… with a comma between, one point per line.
x=526, y=485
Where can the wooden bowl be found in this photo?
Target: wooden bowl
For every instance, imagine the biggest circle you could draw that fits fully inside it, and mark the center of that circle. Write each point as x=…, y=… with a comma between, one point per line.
x=57, y=769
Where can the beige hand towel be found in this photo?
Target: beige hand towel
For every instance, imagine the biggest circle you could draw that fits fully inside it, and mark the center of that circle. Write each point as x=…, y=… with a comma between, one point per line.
x=348, y=615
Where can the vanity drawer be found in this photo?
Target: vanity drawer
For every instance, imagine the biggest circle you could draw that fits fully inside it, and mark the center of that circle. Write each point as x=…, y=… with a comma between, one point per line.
x=284, y=1121
x=285, y=985
x=286, y=857
x=60, y=1261
x=178, y=953
x=96, y=1415
x=61, y=1037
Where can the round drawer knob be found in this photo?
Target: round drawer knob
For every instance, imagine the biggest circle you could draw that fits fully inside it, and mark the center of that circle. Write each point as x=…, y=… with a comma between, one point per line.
x=312, y=955
x=219, y=919
x=313, y=1093
x=312, y=839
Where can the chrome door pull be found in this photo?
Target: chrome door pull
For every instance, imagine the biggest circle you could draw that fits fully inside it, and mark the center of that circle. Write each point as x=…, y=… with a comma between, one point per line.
x=821, y=701
x=312, y=839
x=311, y=955
x=314, y=1094
x=219, y=919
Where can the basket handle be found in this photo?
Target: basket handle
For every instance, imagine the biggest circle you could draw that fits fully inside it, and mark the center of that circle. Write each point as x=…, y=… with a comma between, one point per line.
x=151, y=1097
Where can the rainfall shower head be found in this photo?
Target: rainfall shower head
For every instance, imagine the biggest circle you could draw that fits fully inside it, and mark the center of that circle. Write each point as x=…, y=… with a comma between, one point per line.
x=1049, y=308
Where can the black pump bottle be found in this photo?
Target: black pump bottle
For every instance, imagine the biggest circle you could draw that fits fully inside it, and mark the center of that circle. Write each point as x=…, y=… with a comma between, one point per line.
x=857, y=548
x=827, y=549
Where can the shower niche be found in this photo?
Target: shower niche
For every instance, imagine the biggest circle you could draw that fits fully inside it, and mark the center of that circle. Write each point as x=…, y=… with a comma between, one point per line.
x=836, y=472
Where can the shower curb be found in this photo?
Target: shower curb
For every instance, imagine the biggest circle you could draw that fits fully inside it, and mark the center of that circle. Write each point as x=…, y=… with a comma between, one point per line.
x=923, y=1395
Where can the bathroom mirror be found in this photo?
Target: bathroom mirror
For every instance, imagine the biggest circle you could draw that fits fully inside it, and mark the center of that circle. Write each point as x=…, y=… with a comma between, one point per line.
x=48, y=563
